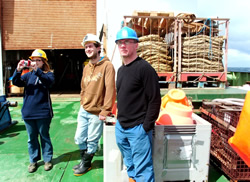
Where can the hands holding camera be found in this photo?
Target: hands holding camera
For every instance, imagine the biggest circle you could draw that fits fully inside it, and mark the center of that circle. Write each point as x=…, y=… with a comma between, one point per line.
x=26, y=63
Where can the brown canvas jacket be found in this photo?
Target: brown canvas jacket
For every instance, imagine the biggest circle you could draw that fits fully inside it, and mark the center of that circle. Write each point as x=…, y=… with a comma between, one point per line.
x=98, y=87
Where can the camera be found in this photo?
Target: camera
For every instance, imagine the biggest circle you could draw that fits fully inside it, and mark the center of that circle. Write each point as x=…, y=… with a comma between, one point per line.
x=27, y=63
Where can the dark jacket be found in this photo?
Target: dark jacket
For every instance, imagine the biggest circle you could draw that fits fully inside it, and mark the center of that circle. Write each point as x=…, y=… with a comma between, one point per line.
x=36, y=99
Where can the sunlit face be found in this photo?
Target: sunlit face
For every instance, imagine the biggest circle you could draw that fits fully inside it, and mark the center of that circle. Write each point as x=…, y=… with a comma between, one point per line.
x=91, y=51
x=127, y=47
x=38, y=61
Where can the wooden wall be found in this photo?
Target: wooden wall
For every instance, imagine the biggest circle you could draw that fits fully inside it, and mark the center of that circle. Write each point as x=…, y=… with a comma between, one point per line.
x=46, y=24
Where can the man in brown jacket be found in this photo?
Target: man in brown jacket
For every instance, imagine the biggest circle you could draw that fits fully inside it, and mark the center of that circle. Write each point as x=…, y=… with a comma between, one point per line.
x=97, y=98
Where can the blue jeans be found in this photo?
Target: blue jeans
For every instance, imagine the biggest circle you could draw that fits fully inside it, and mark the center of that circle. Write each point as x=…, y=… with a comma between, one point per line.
x=136, y=148
x=34, y=128
x=89, y=131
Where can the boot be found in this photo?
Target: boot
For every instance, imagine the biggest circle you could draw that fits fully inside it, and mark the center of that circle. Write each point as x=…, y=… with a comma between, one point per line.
x=85, y=166
x=82, y=152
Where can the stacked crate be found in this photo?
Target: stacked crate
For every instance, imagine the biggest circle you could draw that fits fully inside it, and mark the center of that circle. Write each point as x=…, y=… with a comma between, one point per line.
x=202, y=51
x=154, y=50
x=224, y=119
x=152, y=28
x=186, y=50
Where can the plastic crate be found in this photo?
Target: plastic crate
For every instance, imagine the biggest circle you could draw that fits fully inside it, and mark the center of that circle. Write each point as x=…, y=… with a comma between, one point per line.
x=221, y=152
x=180, y=153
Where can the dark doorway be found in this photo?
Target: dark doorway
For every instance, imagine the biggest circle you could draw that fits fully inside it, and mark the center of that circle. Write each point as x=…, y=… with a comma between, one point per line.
x=67, y=65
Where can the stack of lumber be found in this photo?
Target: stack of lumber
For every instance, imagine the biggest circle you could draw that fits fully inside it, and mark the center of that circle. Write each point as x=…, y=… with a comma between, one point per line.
x=154, y=50
x=145, y=23
x=202, y=53
x=190, y=26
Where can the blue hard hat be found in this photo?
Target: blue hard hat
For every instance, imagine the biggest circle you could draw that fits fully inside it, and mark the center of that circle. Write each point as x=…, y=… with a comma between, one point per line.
x=126, y=33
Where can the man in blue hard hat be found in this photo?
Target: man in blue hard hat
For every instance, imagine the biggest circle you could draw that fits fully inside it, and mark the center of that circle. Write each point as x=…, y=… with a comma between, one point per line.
x=138, y=104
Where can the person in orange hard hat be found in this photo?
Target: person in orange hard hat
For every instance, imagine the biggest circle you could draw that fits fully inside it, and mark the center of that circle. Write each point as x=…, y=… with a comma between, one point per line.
x=138, y=104
x=97, y=99
x=37, y=110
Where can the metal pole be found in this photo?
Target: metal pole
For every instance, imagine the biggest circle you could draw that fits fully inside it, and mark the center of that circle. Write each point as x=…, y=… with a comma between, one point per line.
x=226, y=50
x=1, y=63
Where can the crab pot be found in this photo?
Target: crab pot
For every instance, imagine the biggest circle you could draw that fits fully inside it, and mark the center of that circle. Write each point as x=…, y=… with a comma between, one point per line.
x=222, y=154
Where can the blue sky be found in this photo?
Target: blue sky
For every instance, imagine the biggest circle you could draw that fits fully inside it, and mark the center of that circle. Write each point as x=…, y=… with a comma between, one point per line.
x=237, y=11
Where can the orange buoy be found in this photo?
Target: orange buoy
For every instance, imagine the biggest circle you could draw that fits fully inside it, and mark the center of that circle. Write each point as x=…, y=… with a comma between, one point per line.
x=174, y=95
x=240, y=141
x=175, y=114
